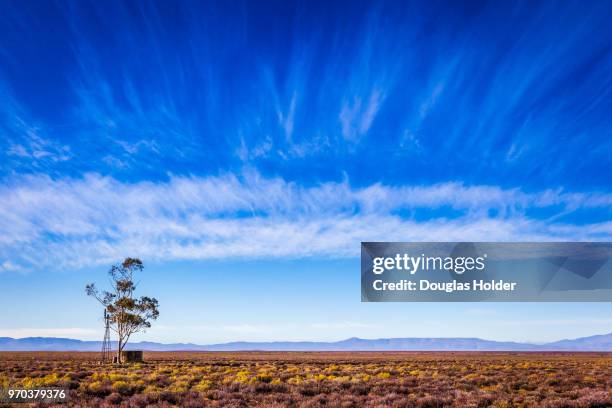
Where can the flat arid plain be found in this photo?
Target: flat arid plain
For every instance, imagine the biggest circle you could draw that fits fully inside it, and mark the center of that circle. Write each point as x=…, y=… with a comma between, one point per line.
x=320, y=379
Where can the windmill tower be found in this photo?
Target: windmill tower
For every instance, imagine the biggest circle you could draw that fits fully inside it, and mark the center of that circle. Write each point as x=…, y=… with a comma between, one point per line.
x=106, y=343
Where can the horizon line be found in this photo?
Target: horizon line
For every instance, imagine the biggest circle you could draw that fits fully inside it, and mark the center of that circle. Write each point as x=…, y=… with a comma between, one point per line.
x=316, y=341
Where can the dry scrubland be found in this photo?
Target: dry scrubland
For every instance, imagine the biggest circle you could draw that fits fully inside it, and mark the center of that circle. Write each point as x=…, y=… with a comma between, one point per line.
x=322, y=379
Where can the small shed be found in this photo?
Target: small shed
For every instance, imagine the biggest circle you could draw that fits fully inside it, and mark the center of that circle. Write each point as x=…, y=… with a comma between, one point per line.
x=131, y=356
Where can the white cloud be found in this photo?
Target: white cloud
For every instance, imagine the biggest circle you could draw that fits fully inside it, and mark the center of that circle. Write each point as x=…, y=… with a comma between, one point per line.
x=286, y=121
x=25, y=140
x=71, y=223
x=431, y=100
x=8, y=266
x=35, y=148
x=357, y=117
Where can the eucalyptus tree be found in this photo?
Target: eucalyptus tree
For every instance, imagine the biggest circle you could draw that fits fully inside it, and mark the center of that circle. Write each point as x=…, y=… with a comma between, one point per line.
x=127, y=314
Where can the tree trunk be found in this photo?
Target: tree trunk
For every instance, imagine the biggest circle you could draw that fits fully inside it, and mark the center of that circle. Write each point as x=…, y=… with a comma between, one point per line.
x=119, y=348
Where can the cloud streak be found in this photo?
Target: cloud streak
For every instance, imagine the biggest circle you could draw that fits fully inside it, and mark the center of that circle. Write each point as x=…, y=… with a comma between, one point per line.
x=79, y=222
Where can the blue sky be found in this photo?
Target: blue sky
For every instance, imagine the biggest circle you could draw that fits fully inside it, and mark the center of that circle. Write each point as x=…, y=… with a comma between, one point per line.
x=244, y=149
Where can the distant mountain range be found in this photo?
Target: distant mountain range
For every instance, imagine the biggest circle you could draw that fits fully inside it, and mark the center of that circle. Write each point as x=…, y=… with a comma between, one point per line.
x=593, y=343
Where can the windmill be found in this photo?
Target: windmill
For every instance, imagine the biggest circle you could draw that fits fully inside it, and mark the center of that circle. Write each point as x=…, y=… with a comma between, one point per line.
x=106, y=343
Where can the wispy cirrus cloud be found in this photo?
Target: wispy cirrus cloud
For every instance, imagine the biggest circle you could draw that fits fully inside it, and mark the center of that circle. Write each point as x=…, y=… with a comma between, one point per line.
x=413, y=86
x=78, y=222
x=357, y=116
x=34, y=148
x=26, y=143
